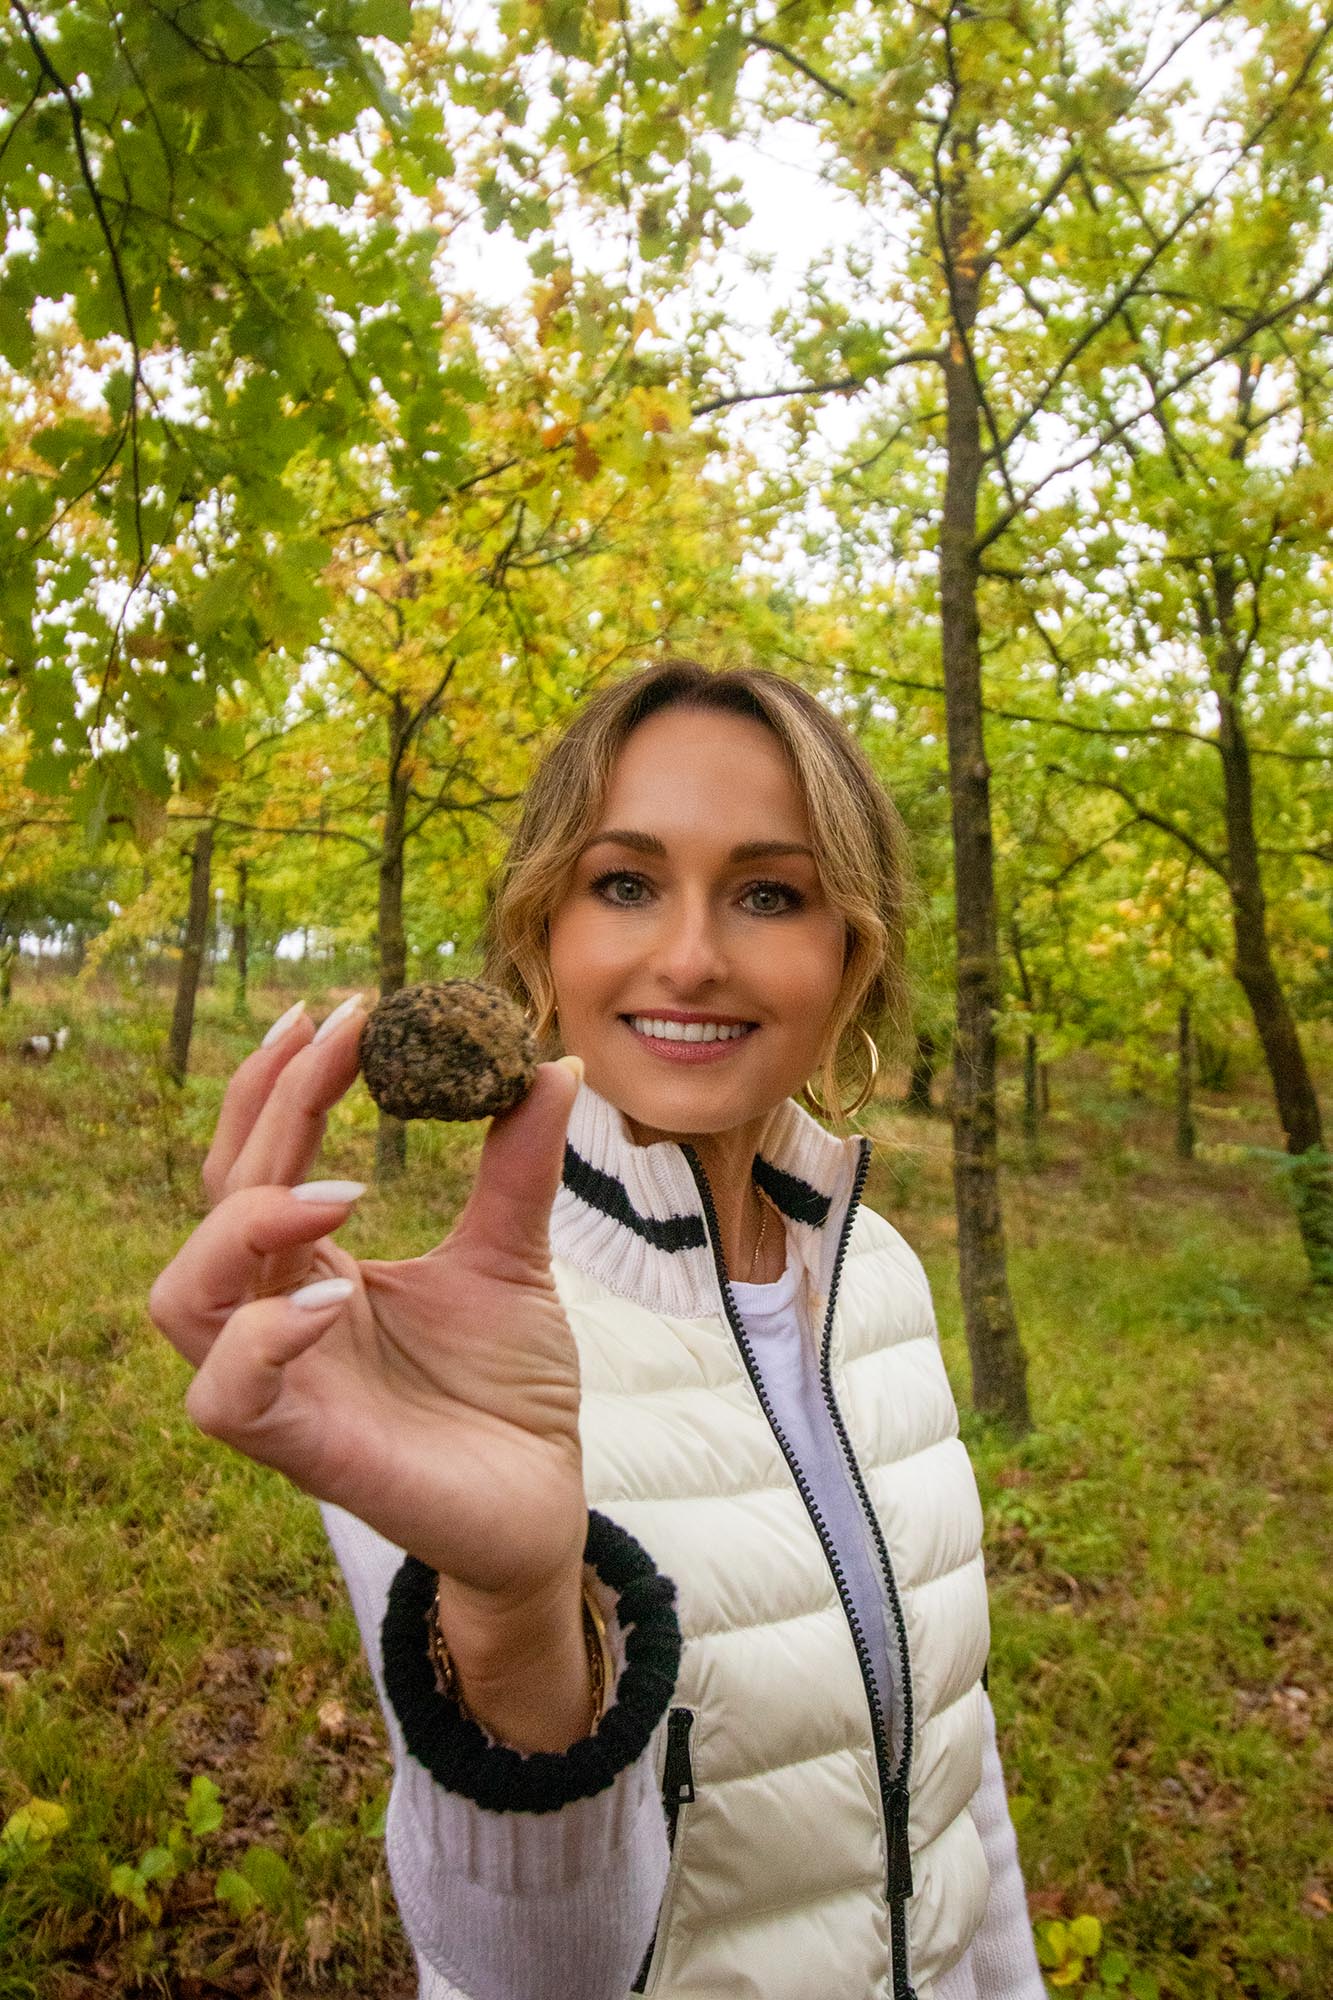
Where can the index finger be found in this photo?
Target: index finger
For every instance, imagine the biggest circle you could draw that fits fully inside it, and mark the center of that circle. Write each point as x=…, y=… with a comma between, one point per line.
x=248, y=1092
x=284, y=1141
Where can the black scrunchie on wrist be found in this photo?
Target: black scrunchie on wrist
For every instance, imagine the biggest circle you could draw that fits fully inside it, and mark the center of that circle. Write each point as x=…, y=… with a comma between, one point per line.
x=458, y=1753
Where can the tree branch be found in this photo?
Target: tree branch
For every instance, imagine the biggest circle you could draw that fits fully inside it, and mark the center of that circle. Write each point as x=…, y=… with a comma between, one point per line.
x=339, y=653
x=278, y=832
x=1259, y=323
x=1161, y=243
x=1149, y=818
x=1014, y=236
x=89, y=179
x=835, y=90
x=1054, y=881
x=1047, y=721
x=845, y=385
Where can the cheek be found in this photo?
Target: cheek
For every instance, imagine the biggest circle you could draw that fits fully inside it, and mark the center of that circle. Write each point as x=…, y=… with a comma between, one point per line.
x=561, y=954
x=817, y=972
x=581, y=955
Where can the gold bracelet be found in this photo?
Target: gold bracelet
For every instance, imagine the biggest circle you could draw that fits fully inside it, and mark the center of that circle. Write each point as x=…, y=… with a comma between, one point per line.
x=594, y=1643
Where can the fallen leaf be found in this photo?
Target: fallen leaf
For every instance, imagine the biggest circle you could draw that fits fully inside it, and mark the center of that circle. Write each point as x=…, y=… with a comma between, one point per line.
x=332, y=1719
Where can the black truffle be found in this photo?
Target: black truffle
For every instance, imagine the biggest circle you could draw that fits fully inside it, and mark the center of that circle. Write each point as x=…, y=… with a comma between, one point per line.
x=461, y=1050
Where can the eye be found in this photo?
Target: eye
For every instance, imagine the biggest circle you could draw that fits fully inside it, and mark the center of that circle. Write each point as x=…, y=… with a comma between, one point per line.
x=621, y=888
x=771, y=899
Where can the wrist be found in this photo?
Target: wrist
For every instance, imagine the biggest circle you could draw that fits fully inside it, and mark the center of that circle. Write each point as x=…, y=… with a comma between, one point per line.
x=529, y=1671
x=460, y=1756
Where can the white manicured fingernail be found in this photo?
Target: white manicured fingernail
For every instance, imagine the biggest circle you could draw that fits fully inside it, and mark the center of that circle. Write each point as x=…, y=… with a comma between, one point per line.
x=574, y=1064
x=330, y=1191
x=283, y=1022
x=338, y=1014
x=324, y=1292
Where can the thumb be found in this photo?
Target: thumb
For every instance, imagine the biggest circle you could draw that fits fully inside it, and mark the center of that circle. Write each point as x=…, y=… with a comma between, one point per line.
x=509, y=1208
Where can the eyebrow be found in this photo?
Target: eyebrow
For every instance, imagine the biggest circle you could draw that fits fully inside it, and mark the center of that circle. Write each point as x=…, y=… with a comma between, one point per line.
x=648, y=843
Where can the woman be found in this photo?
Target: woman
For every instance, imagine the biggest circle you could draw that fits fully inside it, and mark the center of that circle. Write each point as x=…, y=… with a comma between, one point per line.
x=663, y=1346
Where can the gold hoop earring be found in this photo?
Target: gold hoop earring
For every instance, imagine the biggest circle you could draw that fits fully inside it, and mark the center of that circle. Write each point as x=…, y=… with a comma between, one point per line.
x=811, y=1097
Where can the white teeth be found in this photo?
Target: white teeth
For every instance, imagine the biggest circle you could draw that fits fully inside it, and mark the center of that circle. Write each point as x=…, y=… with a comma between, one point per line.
x=687, y=1031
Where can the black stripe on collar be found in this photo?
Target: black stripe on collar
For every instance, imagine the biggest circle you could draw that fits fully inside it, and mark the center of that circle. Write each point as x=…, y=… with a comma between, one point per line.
x=795, y=1197
x=606, y=1194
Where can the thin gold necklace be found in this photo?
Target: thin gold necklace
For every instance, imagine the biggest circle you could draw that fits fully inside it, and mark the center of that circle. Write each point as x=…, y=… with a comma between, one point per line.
x=764, y=1206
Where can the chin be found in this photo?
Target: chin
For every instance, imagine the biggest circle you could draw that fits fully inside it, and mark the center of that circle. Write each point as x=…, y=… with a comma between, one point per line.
x=687, y=1109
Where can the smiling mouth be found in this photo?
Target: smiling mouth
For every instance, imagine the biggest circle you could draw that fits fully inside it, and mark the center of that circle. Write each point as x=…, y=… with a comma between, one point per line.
x=654, y=1028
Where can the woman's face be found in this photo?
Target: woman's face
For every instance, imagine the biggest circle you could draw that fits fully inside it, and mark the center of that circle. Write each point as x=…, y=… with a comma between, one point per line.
x=695, y=957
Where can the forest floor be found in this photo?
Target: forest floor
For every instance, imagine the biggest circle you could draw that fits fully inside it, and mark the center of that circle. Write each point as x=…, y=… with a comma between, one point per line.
x=180, y=1677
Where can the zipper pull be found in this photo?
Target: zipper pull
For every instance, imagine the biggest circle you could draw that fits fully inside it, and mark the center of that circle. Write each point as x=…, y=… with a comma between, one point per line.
x=900, y=1859
x=677, y=1771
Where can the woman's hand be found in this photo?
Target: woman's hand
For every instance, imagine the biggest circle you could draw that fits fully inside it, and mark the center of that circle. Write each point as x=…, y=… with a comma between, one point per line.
x=436, y=1399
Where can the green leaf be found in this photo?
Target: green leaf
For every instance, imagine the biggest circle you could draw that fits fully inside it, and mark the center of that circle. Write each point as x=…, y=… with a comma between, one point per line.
x=563, y=21
x=203, y=1808
x=236, y=1893
x=71, y=445
x=1053, y=1944
x=158, y=1865
x=268, y=1875
x=128, y=1885
x=95, y=813
x=1085, y=1934
x=722, y=67
x=1114, y=1969
x=1143, y=1986
x=292, y=21
x=390, y=18
x=16, y=336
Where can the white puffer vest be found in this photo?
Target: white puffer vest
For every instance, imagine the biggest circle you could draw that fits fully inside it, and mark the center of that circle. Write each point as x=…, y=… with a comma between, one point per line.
x=788, y=1880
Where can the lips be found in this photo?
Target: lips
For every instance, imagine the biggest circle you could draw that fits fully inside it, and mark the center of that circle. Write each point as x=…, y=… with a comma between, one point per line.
x=706, y=1039
x=669, y=1028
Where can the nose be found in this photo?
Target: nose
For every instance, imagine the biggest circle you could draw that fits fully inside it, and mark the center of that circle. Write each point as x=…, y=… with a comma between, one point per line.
x=689, y=957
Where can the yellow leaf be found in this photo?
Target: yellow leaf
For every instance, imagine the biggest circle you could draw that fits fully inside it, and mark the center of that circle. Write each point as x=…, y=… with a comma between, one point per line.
x=34, y=1824
x=1085, y=1934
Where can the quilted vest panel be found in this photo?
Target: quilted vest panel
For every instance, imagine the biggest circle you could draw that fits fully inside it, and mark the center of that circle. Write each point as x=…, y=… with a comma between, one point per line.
x=777, y=1884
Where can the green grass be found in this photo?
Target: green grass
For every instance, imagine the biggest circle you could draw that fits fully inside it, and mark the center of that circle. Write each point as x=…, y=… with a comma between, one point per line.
x=1160, y=1552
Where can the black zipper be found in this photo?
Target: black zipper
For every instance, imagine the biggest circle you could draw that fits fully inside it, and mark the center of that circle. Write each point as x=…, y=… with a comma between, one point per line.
x=677, y=1770
x=893, y=1785
x=898, y=1801
x=677, y=1791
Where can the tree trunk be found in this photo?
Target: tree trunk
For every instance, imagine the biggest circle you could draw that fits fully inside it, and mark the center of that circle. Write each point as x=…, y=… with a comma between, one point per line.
x=241, y=938
x=1031, y=1065
x=1185, y=1133
x=999, y=1366
x=192, y=954
x=924, y=1058
x=391, y=1133
x=1031, y=1095
x=1293, y=1086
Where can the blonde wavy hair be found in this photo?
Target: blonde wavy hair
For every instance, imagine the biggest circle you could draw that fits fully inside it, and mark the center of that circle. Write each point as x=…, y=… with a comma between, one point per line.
x=859, y=842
